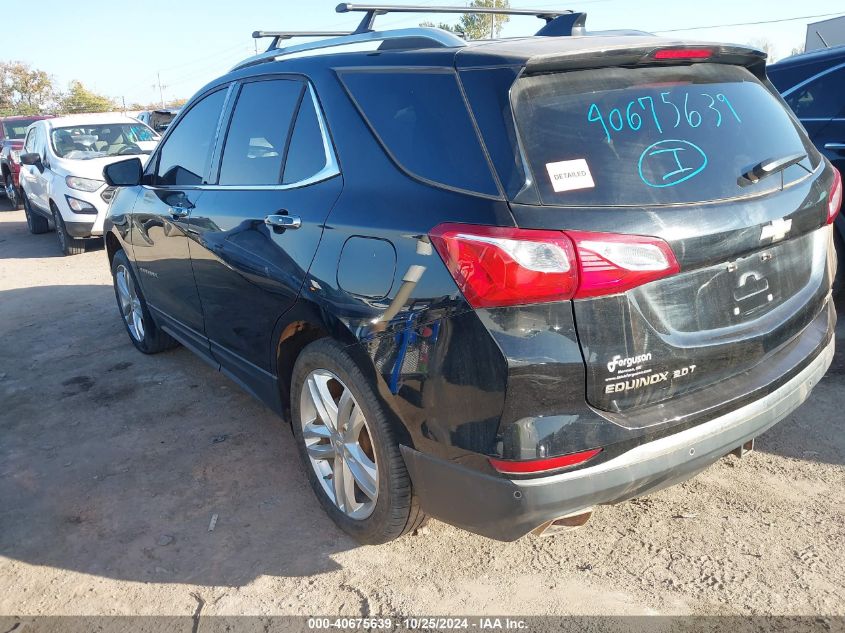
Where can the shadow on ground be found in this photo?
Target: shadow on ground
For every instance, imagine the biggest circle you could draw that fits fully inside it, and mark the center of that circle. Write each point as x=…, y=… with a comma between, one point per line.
x=816, y=430
x=114, y=463
x=18, y=243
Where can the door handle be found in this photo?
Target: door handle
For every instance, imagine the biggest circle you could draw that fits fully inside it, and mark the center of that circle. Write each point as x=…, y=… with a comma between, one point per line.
x=179, y=212
x=283, y=221
x=836, y=147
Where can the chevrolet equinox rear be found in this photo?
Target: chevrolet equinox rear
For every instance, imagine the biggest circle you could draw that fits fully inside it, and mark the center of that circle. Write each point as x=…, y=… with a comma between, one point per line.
x=498, y=283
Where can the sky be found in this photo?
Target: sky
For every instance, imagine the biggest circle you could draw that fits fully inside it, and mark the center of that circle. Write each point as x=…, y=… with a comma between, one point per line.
x=114, y=49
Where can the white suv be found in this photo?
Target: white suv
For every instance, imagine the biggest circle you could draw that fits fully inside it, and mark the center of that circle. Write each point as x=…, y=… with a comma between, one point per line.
x=62, y=172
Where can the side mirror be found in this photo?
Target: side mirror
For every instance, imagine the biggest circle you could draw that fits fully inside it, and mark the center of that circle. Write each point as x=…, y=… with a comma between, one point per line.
x=32, y=158
x=126, y=173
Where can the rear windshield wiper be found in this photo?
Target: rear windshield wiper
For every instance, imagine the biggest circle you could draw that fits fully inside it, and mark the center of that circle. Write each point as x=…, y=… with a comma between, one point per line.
x=770, y=166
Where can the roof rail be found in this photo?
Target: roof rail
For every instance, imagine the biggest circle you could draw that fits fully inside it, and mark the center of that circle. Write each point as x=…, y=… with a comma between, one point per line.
x=372, y=10
x=558, y=23
x=434, y=36
x=286, y=35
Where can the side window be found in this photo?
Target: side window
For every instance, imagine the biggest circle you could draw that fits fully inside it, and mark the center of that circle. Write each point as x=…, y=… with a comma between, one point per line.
x=821, y=98
x=40, y=142
x=421, y=119
x=184, y=157
x=307, y=153
x=29, y=143
x=259, y=132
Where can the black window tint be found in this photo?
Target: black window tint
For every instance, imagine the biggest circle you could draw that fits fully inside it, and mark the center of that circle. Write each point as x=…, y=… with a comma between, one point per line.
x=258, y=134
x=821, y=98
x=660, y=135
x=184, y=157
x=306, y=155
x=488, y=92
x=422, y=120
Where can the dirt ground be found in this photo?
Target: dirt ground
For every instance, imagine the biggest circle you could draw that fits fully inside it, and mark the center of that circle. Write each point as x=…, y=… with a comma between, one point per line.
x=112, y=465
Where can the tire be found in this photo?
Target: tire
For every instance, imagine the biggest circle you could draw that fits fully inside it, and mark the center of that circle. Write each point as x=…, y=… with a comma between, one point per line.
x=13, y=194
x=142, y=329
x=324, y=367
x=69, y=245
x=35, y=222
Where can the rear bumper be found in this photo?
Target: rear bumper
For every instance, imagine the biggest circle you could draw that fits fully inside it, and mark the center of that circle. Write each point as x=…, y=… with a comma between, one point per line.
x=506, y=509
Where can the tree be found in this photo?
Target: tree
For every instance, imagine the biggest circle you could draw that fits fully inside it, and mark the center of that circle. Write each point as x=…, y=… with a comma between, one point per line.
x=479, y=26
x=764, y=44
x=453, y=28
x=80, y=99
x=156, y=105
x=24, y=90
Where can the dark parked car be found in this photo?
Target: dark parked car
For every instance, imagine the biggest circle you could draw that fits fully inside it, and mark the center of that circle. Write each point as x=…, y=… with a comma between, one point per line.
x=813, y=84
x=12, y=131
x=498, y=283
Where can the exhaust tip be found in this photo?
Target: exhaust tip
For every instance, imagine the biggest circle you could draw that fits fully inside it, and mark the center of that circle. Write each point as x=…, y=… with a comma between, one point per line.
x=566, y=523
x=742, y=451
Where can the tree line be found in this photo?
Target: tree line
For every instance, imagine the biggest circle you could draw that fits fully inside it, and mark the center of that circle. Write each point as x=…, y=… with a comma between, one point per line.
x=25, y=90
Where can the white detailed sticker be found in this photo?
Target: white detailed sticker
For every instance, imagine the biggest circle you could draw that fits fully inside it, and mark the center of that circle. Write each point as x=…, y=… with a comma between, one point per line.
x=568, y=175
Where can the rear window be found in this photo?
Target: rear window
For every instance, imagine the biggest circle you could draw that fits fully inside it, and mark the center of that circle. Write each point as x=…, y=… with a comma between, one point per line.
x=654, y=135
x=421, y=119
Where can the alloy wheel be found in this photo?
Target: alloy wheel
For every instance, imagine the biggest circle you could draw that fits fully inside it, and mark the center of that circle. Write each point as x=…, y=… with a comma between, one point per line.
x=130, y=304
x=339, y=444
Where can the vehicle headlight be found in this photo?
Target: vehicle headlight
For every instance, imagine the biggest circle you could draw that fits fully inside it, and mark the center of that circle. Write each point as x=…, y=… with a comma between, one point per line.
x=80, y=206
x=83, y=184
x=15, y=155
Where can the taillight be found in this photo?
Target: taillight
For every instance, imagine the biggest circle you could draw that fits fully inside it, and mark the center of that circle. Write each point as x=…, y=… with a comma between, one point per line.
x=615, y=263
x=536, y=466
x=497, y=266
x=834, y=201
x=680, y=54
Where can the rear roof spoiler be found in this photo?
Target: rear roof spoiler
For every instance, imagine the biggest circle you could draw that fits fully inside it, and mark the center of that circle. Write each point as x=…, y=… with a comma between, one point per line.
x=628, y=56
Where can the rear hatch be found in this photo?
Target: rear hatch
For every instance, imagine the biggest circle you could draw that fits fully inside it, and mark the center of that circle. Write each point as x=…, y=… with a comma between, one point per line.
x=666, y=150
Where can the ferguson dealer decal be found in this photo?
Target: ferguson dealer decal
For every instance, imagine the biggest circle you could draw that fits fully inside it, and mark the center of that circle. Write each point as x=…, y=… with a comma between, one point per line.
x=631, y=374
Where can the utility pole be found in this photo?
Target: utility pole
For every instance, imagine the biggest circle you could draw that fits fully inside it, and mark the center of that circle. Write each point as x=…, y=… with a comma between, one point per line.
x=160, y=89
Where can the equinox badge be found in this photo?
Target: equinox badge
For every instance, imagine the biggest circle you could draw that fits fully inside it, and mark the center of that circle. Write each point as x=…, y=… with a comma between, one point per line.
x=776, y=231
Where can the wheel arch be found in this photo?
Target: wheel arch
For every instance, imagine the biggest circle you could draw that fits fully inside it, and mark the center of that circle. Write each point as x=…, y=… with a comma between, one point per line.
x=112, y=246
x=305, y=323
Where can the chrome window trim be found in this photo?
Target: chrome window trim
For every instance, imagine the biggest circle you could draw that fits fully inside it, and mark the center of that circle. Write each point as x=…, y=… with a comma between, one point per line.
x=330, y=169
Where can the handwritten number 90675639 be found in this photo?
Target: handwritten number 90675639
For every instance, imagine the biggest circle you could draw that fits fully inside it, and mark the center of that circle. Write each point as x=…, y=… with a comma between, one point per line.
x=665, y=114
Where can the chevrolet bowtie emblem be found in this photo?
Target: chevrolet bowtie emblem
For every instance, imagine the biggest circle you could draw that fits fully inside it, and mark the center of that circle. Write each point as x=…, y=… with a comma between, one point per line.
x=776, y=231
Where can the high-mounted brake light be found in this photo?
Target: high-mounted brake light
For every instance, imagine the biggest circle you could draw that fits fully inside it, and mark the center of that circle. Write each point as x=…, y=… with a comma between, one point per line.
x=834, y=201
x=497, y=266
x=666, y=54
x=536, y=466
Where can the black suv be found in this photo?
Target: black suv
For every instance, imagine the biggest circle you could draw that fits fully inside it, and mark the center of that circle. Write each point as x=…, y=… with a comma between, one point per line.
x=813, y=84
x=495, y=282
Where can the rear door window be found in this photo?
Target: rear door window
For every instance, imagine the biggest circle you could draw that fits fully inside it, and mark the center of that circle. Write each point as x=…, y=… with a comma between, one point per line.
x=259, y=132
x=421, y=119
x=658, y=135
x=307, y=151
